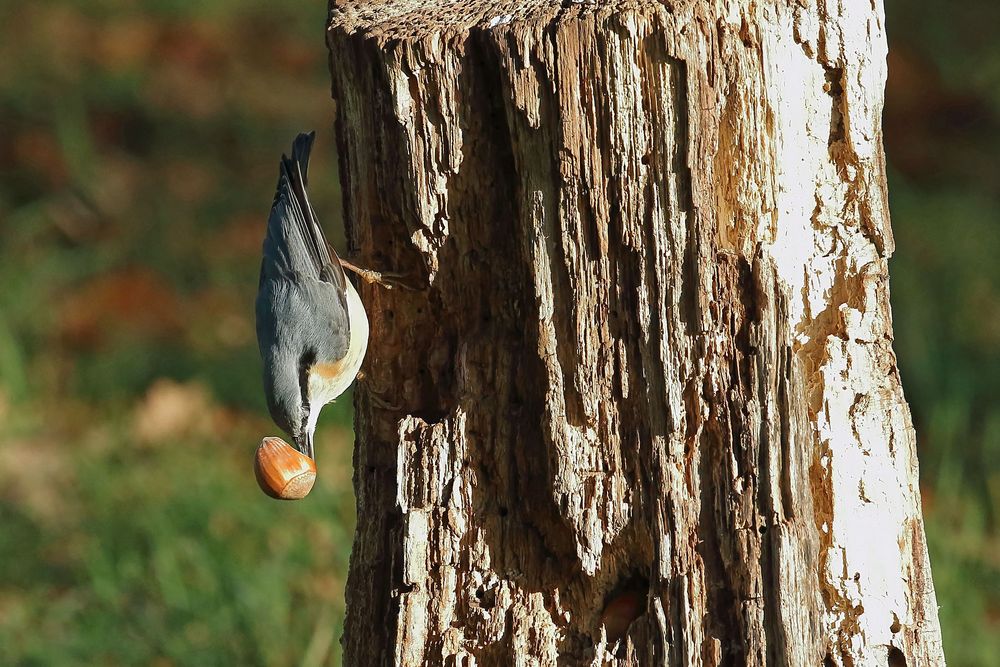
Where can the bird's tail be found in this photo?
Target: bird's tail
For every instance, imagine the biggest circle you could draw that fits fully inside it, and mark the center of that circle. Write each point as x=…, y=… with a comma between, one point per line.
x=301, y=148
x=296, y=170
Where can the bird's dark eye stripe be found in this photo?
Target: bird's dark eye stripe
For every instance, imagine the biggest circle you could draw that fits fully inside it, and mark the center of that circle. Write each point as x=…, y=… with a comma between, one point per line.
x=306, y=361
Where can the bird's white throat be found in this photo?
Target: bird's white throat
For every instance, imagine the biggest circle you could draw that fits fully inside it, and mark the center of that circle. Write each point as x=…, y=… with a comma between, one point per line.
x=325, y=387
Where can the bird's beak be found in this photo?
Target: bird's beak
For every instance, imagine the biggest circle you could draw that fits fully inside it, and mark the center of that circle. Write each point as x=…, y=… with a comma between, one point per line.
x=304, y=443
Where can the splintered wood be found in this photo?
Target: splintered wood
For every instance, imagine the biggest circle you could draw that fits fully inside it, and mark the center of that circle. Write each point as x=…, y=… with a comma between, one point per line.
x=645, y=409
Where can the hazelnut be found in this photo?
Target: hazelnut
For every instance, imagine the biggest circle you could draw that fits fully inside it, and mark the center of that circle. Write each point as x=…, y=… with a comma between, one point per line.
x=282, y=471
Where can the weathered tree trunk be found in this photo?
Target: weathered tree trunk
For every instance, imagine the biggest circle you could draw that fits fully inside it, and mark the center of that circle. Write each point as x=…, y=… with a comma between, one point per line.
x=644, y=407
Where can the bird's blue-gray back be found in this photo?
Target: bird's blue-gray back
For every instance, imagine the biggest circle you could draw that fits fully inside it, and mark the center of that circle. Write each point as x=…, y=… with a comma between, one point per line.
x=303, y=290
x=301, y=309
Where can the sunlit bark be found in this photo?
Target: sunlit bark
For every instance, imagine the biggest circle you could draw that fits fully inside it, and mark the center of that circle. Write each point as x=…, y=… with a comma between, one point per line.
x=644, y=408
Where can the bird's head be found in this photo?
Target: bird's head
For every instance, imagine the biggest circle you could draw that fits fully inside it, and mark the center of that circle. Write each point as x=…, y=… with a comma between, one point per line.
x=286, y=385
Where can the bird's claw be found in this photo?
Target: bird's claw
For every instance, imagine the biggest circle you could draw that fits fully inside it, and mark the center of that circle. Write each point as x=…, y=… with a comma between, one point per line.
x=382, y=278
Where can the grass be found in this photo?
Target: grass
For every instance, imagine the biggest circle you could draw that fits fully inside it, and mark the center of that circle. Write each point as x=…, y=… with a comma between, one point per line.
x=965, y=560
x=152, y=545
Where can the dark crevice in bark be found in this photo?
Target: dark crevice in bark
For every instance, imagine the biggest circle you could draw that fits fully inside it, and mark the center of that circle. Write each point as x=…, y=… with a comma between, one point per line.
x=835, y=89
x=523, y=462
x=729, y=547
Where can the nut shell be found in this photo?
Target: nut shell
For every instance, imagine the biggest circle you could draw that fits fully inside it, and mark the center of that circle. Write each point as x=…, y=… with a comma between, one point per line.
x=282, y=471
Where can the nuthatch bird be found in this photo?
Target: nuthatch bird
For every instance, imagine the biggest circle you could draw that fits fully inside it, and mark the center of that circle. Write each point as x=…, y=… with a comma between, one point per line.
x=311, y=325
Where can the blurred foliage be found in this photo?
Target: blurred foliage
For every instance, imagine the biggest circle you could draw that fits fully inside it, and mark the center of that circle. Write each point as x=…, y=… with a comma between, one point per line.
x=132, y=199
x=942, y=135
x=133, y=196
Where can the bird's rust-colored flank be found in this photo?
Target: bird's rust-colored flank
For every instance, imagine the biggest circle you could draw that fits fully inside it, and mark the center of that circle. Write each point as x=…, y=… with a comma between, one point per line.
x=329, y=371
x=282, y=471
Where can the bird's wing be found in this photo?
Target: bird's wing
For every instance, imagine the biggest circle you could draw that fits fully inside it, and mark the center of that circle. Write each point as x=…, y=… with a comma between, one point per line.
x=295, y=243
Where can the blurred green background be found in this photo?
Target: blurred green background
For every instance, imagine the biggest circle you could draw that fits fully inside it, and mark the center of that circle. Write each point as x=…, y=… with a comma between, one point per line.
x=138, y=155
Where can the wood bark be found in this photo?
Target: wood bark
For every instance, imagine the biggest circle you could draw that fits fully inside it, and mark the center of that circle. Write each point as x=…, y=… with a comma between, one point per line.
x=642, y=408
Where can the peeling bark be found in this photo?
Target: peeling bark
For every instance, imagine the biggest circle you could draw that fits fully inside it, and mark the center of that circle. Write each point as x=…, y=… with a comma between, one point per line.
x=644, y=407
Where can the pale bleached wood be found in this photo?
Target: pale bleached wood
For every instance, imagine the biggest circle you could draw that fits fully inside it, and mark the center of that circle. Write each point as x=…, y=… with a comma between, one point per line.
x=650, y=358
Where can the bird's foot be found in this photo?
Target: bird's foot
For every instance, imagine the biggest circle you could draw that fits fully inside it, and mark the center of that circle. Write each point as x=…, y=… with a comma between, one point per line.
x=381, y=278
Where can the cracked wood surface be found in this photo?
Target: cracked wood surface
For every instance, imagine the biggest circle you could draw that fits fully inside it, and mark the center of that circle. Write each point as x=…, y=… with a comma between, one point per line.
x=645, y=409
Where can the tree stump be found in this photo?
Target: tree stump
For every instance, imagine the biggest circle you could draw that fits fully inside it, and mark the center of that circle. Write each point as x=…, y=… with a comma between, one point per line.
x=643, y=407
